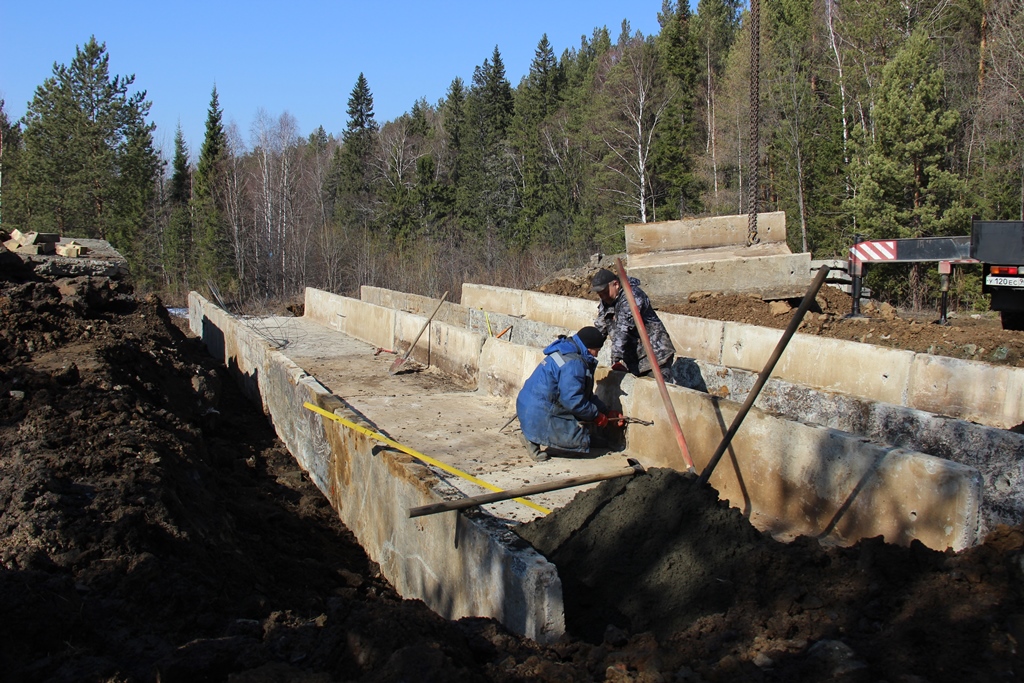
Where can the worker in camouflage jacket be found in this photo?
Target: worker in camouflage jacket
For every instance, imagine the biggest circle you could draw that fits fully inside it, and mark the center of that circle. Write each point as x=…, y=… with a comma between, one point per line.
x=615, y=319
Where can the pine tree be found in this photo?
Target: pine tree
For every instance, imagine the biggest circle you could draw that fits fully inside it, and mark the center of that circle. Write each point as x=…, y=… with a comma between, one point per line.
x=536, y=99
x=10, y=151
x=902, y=179
x=904, y=187
x=716, y=25
x=212, y=262
x=350, y=171
x=177, y=238
x=676, y=187
x=488, y=190
x=88, y=166
x=803, y=127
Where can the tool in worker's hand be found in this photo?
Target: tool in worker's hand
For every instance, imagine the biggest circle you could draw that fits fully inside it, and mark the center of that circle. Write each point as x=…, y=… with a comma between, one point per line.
x=623, y=419
x=634, y=468
x=400, y=361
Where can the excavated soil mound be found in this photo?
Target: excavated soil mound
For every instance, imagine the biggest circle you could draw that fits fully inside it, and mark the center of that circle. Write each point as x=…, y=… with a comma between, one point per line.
x=652, y=554
x=660, y=553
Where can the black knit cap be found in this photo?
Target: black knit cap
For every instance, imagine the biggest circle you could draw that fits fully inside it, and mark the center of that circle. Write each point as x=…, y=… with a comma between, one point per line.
x=591, y=337
x=601, y=280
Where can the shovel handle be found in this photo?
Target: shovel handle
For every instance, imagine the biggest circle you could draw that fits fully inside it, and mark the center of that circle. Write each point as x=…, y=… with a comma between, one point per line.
x=400, y=361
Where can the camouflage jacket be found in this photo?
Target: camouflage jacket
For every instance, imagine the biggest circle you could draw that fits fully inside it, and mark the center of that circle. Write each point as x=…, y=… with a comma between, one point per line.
x=616, y=321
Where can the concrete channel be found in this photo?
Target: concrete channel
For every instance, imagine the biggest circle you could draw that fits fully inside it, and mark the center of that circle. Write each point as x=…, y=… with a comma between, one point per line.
x=327, y=389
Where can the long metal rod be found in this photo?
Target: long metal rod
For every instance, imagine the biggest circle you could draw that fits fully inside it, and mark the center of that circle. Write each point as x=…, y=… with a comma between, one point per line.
x=473, y=501
x=768, y=367
x=656, y=371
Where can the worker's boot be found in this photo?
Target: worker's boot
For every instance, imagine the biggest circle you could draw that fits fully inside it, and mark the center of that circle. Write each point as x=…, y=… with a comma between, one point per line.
x=532, y=449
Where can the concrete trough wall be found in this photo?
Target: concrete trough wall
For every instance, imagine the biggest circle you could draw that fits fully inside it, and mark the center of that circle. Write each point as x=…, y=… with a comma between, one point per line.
x=969, y=390
x=811, y=480
x=453, y=350
x=860, y=389
x=998, y=454
x=457, y=565
x=807, y=479
x=367, y=322
x=450, y=312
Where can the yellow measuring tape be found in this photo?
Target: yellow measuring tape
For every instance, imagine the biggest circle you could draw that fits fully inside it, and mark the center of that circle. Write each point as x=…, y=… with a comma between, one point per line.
x=488, y=321
x=419, y=456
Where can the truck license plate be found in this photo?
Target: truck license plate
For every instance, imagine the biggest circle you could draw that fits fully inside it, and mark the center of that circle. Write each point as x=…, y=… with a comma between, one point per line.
x=1004, y=281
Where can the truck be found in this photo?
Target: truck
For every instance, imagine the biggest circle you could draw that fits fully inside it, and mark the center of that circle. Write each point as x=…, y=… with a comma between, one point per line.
x=997, y=245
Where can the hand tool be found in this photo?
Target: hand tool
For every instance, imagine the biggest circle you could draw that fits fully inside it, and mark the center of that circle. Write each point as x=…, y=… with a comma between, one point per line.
x=401, y=359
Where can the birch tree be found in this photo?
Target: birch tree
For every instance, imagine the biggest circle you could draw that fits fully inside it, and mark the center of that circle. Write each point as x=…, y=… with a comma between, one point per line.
x=638, y=99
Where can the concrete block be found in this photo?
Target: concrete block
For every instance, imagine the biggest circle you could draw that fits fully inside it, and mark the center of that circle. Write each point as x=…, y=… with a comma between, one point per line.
x=455, y=351
x=69, y=250
x=372, y=324
x=847, y=367
x=779, y=276
x=701, y=233
x=564, y=311
x=505, y=367
x=490, y=298
x=989, y=394
x=812, y=480
x=451, y=313
x=698, y=338
x=516, y=330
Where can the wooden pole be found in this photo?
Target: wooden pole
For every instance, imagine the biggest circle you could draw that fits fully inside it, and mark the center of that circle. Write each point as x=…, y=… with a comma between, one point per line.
x=473, y=501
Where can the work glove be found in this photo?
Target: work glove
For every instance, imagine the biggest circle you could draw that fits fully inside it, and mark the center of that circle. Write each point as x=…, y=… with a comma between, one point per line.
x=601, y=420
x=616, y=418
x=619, y=365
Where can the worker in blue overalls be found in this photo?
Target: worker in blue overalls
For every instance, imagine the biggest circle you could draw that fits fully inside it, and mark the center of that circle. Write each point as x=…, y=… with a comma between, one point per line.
x=559, y=396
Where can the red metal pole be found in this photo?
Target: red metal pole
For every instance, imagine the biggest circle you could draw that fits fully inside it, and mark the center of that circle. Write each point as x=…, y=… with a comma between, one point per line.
x=662, y=389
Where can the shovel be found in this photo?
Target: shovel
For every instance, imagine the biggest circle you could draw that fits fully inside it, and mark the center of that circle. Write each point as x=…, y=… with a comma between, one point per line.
x=400, y=361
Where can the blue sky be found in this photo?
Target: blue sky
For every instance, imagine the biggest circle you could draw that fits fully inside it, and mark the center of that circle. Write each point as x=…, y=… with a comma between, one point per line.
x=301, y=57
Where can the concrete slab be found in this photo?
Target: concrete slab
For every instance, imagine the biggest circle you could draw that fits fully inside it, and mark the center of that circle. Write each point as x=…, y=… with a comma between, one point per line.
x=702, y=233
x=674, y=259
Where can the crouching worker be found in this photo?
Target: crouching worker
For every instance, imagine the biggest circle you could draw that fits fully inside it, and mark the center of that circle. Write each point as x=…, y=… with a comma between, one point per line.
x=559, y=395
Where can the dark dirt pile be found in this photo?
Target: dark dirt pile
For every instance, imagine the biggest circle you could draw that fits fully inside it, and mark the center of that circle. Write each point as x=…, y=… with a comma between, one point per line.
x=153, y=528
x=661, y=554
x=972, y=337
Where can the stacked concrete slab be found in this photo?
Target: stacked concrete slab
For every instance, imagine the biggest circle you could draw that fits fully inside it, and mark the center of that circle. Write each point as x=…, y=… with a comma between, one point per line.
x=675, y=259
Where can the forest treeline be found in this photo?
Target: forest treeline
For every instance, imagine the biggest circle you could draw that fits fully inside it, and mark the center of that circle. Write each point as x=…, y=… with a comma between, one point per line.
x=879, y=118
